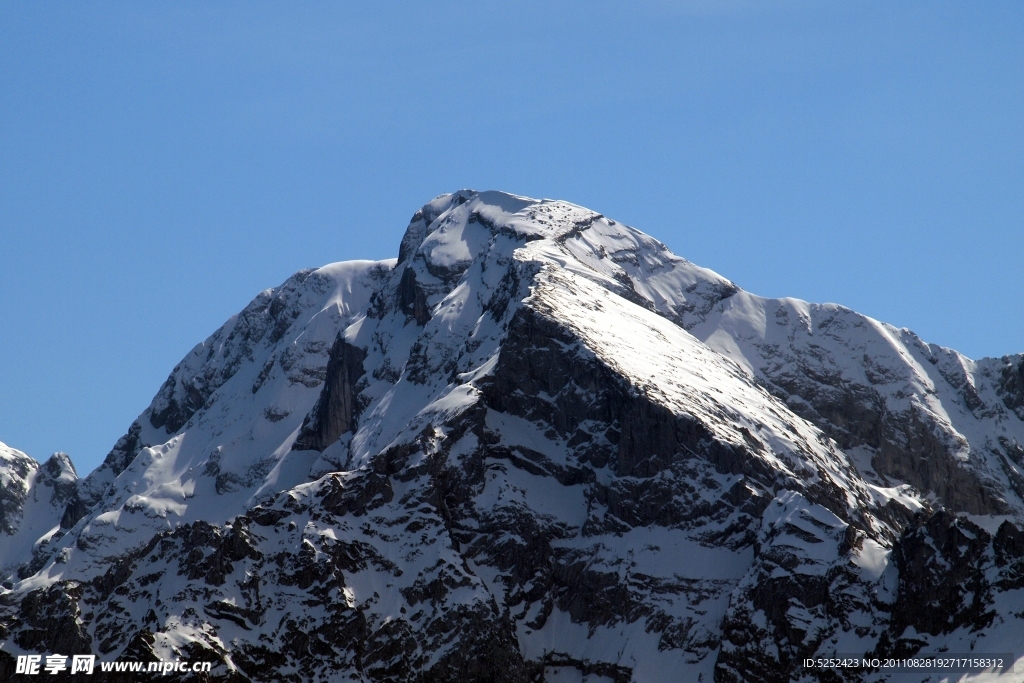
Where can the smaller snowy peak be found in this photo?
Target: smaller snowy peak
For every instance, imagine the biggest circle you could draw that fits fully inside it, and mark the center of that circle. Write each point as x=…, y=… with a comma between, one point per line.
x=263, y=322
x=33, y=498
x=58, y=472
x=16, y=473
x=219, y=434
x=282, y=336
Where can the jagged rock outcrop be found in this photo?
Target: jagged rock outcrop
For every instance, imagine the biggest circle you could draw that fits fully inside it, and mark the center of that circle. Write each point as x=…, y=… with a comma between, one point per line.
x=537, y=447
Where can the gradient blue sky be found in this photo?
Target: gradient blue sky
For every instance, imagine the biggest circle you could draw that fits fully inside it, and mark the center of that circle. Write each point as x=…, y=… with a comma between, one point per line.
x=161, y=163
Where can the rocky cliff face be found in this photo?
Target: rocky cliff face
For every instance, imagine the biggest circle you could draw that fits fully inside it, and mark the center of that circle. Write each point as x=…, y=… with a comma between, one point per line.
x=536, y=447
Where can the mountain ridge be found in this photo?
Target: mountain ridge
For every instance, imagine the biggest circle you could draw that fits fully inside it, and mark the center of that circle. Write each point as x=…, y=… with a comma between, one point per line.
x=573, y=414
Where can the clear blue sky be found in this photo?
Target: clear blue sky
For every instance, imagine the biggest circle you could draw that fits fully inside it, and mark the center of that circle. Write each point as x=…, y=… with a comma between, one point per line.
x=161, y=163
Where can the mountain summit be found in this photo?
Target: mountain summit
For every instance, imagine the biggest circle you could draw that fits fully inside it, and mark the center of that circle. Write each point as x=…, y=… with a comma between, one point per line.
x=537, y=446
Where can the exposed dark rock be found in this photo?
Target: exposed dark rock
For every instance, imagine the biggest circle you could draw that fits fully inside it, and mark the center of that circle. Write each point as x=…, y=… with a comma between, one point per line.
x=336, y=409
x=51, y=621
x=942, y=560
x=544, y=359
x=412, y=300
x=73, y=511
x=911, y=452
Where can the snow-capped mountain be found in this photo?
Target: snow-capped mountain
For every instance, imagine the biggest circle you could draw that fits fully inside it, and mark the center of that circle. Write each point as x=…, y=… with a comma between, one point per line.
x=537, y=446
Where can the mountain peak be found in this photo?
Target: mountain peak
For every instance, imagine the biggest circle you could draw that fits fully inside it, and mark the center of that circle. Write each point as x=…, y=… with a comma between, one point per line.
x=538, y=445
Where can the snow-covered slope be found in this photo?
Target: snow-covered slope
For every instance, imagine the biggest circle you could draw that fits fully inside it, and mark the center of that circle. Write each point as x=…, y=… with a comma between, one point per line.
x=538, y=446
